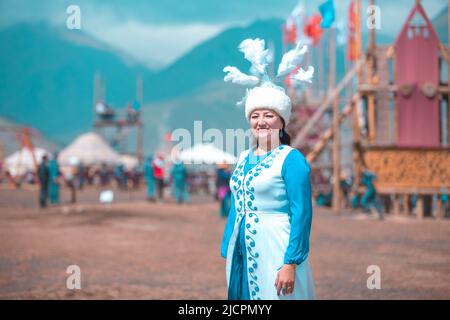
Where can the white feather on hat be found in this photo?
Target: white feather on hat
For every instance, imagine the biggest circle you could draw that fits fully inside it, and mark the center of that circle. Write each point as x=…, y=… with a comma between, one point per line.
x=268, y=95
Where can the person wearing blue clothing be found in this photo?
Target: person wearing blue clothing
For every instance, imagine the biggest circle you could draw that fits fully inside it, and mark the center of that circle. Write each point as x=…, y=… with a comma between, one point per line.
x=44, y=177
x=149, y=179
x=178, y=177
x=266, y=237
x=369, y=199
x=54, y=174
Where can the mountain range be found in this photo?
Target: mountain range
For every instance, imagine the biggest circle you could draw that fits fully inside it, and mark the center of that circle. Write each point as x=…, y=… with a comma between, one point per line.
x=47, y=75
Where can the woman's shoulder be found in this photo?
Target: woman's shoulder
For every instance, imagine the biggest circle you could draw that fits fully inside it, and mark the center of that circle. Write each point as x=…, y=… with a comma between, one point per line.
x=296, y=158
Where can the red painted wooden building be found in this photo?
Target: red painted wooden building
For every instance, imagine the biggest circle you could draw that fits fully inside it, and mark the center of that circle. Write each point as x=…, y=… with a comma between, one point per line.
x=417, y=78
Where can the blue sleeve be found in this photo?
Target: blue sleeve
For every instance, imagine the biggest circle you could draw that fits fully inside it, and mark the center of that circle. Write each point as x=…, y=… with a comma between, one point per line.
x=228, y=228
x=296, y=175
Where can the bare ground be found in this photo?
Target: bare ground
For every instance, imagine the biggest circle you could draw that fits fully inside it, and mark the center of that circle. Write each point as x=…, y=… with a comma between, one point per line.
x=141, y=250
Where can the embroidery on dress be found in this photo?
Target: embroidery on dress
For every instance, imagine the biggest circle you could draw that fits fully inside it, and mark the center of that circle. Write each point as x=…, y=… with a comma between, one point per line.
x=245, y=197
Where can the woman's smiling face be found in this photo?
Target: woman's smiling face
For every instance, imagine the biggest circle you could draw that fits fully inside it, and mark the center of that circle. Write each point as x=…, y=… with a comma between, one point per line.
x=265, y=125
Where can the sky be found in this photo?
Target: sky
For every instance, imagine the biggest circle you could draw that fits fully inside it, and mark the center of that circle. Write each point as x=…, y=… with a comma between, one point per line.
x=157, y=32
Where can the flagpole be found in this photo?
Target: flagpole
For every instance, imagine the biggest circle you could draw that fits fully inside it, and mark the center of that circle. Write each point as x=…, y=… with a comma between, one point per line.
x=320, y=65
x=369, y=77
x=448, y=75
x=336, y=135
x=357, y=131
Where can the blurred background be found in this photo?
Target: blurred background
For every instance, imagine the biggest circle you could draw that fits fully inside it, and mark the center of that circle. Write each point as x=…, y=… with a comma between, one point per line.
x=98, y=90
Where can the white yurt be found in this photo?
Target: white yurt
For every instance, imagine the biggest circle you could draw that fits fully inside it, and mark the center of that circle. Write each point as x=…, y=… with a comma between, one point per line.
x=128, y=161
x=90, y=149
x=21, y=161
x=206, y=154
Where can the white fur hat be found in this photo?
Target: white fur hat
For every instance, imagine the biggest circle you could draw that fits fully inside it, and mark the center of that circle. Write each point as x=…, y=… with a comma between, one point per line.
x=268, y=96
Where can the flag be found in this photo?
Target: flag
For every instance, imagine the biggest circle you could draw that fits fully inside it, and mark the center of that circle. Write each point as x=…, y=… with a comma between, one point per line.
x=168, y=136
x=327, y=11
x=289, y=31
x=352, y=49
x=299, y=17
x=313, y=29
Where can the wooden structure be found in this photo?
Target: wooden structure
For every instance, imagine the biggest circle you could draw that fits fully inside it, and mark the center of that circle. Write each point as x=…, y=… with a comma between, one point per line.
x=24, y=136
x=119, y=119
x=401, y=118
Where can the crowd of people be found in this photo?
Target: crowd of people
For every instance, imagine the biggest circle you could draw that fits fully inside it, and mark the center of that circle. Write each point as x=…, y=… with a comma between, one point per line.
x=159, y=177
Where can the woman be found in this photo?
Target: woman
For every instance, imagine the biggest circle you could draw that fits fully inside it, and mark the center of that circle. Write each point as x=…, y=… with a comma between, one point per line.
x=266, y=237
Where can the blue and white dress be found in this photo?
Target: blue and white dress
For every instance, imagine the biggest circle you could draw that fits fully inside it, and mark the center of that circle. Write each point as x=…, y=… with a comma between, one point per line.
x=268, y=225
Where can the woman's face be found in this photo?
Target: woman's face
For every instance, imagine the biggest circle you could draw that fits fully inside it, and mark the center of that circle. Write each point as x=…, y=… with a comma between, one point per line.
x=265, y=125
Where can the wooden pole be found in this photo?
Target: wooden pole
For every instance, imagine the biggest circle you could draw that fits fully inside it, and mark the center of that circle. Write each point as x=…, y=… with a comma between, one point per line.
x=336, y=137
x=320, y=65
x=406, y=207
x=439, y=207
x=369, y=78
x=448, y=74
x=325, y=106
x=420, y=207
x=396, y=205
x=96, y=95
x=140, y=136
x=328, y=134
x=357, y=132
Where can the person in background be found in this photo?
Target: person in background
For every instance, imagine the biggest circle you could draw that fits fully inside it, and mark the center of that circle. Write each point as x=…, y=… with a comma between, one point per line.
x=103, y=174
x=158, y=173
x=445, y=204
x=149, y=179
x=223, y=189
x=346, y=186
x=90, y=175
x=121, y=176
x=135, y=176
x=369, y=200
x=178, y=178
x=54, y=176
x=69, y=178
x=80, y=175
x=43, y=176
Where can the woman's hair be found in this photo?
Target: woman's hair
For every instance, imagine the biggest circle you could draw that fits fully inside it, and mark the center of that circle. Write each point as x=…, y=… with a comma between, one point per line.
x=286, y=138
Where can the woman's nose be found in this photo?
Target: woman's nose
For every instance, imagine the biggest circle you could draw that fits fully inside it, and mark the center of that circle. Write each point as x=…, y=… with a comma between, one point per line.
x=261, y=122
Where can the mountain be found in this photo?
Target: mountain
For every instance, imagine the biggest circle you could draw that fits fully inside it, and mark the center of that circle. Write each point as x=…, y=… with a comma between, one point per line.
x=192, y=89
x=46, y=78
x=205, y=62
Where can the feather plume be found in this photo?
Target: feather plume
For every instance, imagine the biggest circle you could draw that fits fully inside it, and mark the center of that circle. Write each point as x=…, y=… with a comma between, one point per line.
x=304, y=76
x=236, y=76
x=291, y=60
x=254, y=52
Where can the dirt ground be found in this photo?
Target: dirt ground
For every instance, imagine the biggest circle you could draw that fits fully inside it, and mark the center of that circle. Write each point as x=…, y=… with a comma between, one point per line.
x=141, y=250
